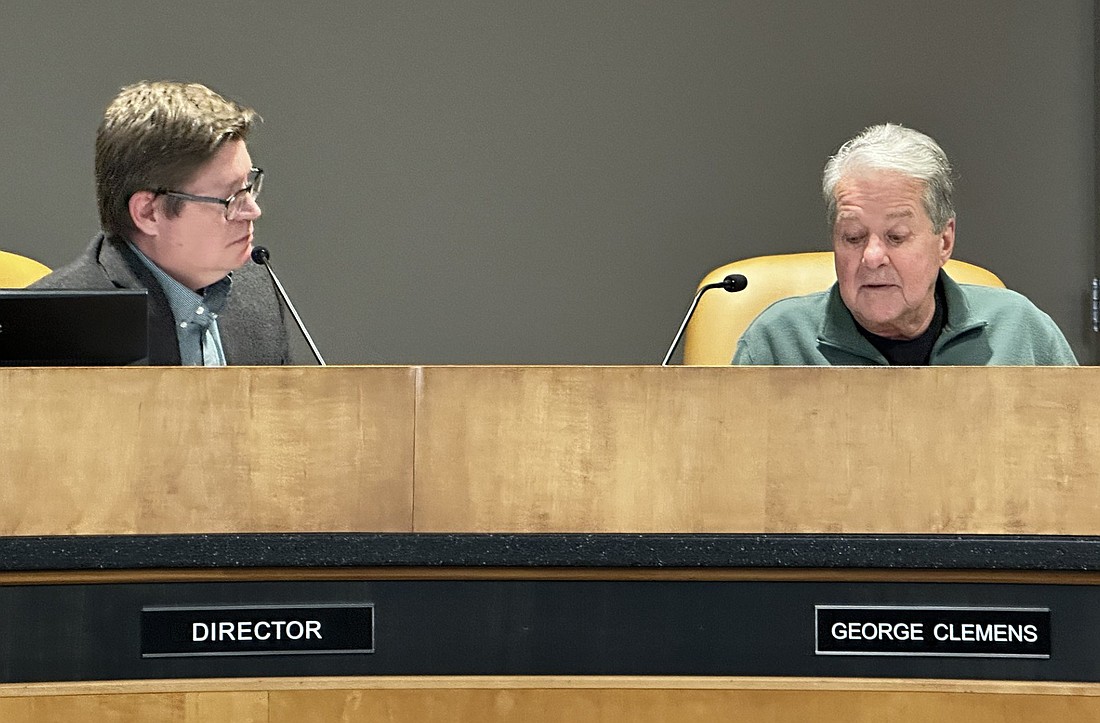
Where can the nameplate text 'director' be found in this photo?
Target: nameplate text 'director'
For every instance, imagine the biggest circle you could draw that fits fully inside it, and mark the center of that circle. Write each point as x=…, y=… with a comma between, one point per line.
x=314, y=629
x=973, y=632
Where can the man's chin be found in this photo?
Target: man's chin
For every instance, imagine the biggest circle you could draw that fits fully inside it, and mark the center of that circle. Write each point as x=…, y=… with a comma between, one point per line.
x=877, y=321
x=242, y=259
x=243, y=248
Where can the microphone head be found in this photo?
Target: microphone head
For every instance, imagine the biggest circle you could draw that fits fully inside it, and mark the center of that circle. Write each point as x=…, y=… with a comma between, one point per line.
x=733, y=282
x=260, y=255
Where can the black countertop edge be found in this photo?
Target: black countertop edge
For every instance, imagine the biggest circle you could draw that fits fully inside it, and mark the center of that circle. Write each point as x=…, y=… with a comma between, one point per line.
x=573, y=550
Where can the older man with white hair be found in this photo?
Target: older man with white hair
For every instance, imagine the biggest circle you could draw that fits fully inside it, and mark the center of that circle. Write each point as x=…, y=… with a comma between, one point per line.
x=889, y=197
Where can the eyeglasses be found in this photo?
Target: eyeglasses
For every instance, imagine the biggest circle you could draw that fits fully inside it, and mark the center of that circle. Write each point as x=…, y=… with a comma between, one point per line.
x=235, y=204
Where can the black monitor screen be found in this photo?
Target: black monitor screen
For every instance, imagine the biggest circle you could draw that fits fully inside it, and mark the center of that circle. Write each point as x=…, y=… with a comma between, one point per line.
x=51, y=327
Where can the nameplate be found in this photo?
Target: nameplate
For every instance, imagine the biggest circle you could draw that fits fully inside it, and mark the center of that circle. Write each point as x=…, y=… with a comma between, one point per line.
x=971, y=632
x=169, y=631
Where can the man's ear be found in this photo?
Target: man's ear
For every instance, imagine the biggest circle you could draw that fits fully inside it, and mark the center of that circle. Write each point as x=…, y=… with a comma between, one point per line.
x=145, y=214
x=947, y=241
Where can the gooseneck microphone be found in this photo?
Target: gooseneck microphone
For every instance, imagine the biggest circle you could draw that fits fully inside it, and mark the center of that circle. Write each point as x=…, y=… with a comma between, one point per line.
x=733, y=282
x=261, y=255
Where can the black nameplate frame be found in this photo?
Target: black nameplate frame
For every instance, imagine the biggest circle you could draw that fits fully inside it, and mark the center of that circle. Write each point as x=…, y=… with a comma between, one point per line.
x=972, y=632
x=314, y=629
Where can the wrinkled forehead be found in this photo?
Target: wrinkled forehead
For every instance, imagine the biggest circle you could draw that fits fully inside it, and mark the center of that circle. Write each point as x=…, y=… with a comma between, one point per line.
x=884, y=195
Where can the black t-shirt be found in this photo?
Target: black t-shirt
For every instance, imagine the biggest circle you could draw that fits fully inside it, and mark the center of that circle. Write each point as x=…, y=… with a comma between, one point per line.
x=912, y=352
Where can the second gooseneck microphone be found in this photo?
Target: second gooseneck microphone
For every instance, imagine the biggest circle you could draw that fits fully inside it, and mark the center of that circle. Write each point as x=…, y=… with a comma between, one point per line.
x=261, y=255
x=733, y=282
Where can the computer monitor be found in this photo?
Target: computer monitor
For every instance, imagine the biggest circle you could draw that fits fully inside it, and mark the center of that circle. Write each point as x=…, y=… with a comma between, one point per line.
x=52, y=327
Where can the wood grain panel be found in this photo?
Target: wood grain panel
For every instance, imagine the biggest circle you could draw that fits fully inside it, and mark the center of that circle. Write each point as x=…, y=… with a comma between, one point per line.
x=538, y=699
x=649, y=449
x=581, y=449
x=239, y=707
x=612, y=705
x=544, y=449
x=163, y=450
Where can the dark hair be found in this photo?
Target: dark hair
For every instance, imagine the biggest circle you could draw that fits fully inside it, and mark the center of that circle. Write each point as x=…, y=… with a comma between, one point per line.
x=156, y=135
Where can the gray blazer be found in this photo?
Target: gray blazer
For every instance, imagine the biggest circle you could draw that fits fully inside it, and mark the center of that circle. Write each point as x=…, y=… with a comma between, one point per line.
x=252, y=327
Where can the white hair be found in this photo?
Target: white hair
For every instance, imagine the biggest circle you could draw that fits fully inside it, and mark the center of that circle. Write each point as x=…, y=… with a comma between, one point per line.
x=892, y=147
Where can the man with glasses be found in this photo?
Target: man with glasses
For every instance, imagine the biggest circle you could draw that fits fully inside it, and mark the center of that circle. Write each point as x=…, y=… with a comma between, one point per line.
x=177, y=194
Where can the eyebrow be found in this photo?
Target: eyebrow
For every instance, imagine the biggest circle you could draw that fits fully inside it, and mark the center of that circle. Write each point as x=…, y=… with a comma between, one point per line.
x=892, y=216
x=907, y=213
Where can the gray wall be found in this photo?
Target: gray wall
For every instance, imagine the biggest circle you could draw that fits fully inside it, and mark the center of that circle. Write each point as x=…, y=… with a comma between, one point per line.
x=503, y=182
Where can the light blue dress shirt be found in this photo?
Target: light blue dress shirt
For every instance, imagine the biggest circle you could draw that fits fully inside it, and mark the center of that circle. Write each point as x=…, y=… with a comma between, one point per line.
x=196, y=315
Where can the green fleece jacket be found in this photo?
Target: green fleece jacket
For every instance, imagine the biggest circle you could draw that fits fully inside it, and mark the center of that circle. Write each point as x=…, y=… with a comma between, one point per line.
x=985, y=326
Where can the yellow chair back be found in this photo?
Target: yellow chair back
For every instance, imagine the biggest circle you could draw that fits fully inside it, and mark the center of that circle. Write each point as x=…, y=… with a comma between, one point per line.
x=18, y=271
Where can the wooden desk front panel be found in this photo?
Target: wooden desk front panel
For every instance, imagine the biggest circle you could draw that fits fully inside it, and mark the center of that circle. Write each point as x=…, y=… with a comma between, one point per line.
x=173, y=450
x=649, y=449
x=540, y=700
x=550, y=449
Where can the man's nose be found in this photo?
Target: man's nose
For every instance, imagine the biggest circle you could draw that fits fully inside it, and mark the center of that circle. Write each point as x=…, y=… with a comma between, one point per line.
x=875, y=252
x=251, y=209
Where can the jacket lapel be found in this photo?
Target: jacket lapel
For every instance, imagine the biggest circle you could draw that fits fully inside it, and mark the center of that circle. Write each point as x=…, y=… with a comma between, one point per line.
x=126, y=271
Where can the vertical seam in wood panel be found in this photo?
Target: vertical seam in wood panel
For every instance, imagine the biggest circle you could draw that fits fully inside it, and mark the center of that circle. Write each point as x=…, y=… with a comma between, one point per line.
x=418, y=398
